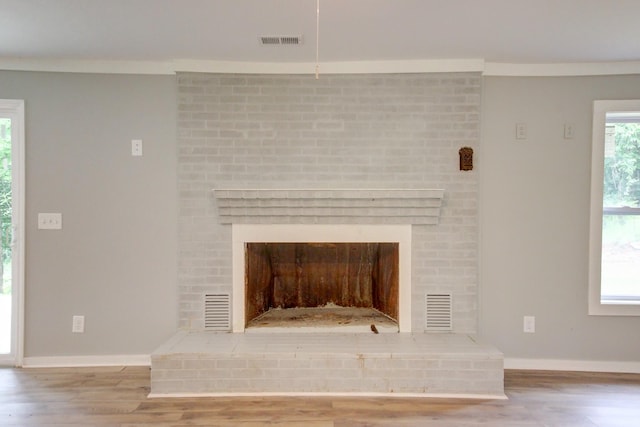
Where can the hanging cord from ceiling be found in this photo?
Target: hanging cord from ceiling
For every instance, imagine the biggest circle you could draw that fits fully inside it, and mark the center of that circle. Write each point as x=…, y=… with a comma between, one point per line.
x=317, y=39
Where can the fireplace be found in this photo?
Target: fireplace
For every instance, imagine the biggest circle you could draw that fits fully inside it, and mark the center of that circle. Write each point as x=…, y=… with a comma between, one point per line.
x=324, y=176
x=323, y=284
x=321, y=277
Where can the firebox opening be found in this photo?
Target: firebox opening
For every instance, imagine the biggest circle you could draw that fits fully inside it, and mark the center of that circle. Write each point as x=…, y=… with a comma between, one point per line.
x=321, y=284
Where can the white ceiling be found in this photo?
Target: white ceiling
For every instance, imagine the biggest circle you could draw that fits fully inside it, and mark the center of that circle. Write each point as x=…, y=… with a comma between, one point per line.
x=498, y=31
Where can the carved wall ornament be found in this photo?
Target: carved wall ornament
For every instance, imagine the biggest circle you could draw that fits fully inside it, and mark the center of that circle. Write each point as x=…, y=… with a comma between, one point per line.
x=466, y=158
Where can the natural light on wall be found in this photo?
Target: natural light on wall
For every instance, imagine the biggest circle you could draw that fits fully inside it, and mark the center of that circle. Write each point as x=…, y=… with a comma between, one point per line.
x=614, y=276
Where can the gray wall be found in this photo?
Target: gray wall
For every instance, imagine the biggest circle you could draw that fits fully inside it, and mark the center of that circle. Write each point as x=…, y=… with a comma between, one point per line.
x=115, y=259
x=535, y=220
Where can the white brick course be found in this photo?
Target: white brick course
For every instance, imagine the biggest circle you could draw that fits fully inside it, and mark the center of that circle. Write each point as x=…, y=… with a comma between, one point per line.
x=339, y=132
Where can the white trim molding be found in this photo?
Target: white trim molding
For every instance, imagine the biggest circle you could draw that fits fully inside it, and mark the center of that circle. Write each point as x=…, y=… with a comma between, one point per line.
x=87, y=66
x=597, y=306
x=333, y=394
x=572, y=365
x=561, y=69
x=85, y=361
x=457, y=65
x=346, y=67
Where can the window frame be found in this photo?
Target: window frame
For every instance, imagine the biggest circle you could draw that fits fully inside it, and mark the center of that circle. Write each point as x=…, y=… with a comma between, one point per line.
x=596, y=305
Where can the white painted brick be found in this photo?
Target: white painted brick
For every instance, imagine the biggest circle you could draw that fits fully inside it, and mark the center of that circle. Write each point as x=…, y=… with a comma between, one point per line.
x=373, y=131
x=415, y=372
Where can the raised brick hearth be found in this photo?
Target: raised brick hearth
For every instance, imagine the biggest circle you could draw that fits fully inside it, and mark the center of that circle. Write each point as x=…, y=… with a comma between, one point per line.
x=400, y=364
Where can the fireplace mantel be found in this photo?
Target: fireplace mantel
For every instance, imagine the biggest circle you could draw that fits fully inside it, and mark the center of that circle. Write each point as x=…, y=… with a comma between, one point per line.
x=333, y=233
x=324, y=206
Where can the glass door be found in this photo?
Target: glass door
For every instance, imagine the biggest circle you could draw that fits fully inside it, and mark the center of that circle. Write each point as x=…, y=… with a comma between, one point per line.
x=11, y=230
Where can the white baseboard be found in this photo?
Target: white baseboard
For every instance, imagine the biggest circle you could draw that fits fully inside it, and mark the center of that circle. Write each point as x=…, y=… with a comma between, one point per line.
x=572, y=365
x=332, y=394
x=509, y=363
x=80, y=361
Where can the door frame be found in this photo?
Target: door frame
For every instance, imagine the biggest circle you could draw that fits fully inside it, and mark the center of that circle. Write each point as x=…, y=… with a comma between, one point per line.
x=14, y=109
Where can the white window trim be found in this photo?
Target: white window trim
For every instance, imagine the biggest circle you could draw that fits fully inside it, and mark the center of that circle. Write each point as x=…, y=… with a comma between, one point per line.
x=596, y=307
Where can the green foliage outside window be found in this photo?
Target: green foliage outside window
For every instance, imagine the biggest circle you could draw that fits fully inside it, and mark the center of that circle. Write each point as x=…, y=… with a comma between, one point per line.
x=5, y=194
x=621, y=230
x=622, y=170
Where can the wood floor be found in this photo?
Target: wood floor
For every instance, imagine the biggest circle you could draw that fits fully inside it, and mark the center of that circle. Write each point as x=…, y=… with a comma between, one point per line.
x=117, y=397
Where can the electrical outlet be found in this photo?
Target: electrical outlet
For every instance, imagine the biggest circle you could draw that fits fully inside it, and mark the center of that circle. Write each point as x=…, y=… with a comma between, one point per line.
x=77, y=326
x=521, y=131
x=49, y=221
x=136, y=147
x=529, y=324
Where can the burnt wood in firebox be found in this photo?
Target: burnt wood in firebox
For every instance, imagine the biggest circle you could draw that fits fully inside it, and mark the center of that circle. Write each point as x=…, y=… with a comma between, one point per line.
x=288, y=275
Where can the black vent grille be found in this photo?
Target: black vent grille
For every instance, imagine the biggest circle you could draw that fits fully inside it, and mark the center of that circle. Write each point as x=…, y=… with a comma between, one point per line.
x=281, y=40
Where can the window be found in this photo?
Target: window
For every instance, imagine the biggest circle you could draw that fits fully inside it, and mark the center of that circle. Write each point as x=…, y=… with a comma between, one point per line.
x=614, y=271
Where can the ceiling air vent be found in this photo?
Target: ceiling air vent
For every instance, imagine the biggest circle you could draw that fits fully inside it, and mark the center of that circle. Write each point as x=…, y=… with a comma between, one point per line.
x=280, y=40
x=217, y=312
x=438, y=318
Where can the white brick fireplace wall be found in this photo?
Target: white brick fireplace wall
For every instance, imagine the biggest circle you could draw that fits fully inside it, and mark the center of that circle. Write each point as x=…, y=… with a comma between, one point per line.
x=338, y=132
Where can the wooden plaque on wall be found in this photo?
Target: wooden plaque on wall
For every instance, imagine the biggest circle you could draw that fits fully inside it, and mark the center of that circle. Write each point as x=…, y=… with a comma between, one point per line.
x=466, y=158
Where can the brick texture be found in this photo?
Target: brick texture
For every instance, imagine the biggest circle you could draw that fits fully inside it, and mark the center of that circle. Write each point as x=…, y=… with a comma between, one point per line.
x=252, y=373
x=206, y=363
x=339, y=132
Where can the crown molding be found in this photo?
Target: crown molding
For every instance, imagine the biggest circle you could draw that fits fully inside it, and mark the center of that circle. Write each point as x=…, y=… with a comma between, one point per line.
x=325, y=68
x=347, y=67
x=86, y=66
x=561, y=69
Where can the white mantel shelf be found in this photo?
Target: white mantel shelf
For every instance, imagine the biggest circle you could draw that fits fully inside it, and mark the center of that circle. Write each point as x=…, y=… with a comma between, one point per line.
x=329, y=206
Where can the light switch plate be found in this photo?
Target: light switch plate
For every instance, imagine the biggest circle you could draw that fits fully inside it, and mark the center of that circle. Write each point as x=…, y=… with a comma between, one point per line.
x=568, y=131
x=77, y=326
x=529, y=324
x=136, y=147
x=49, y=221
